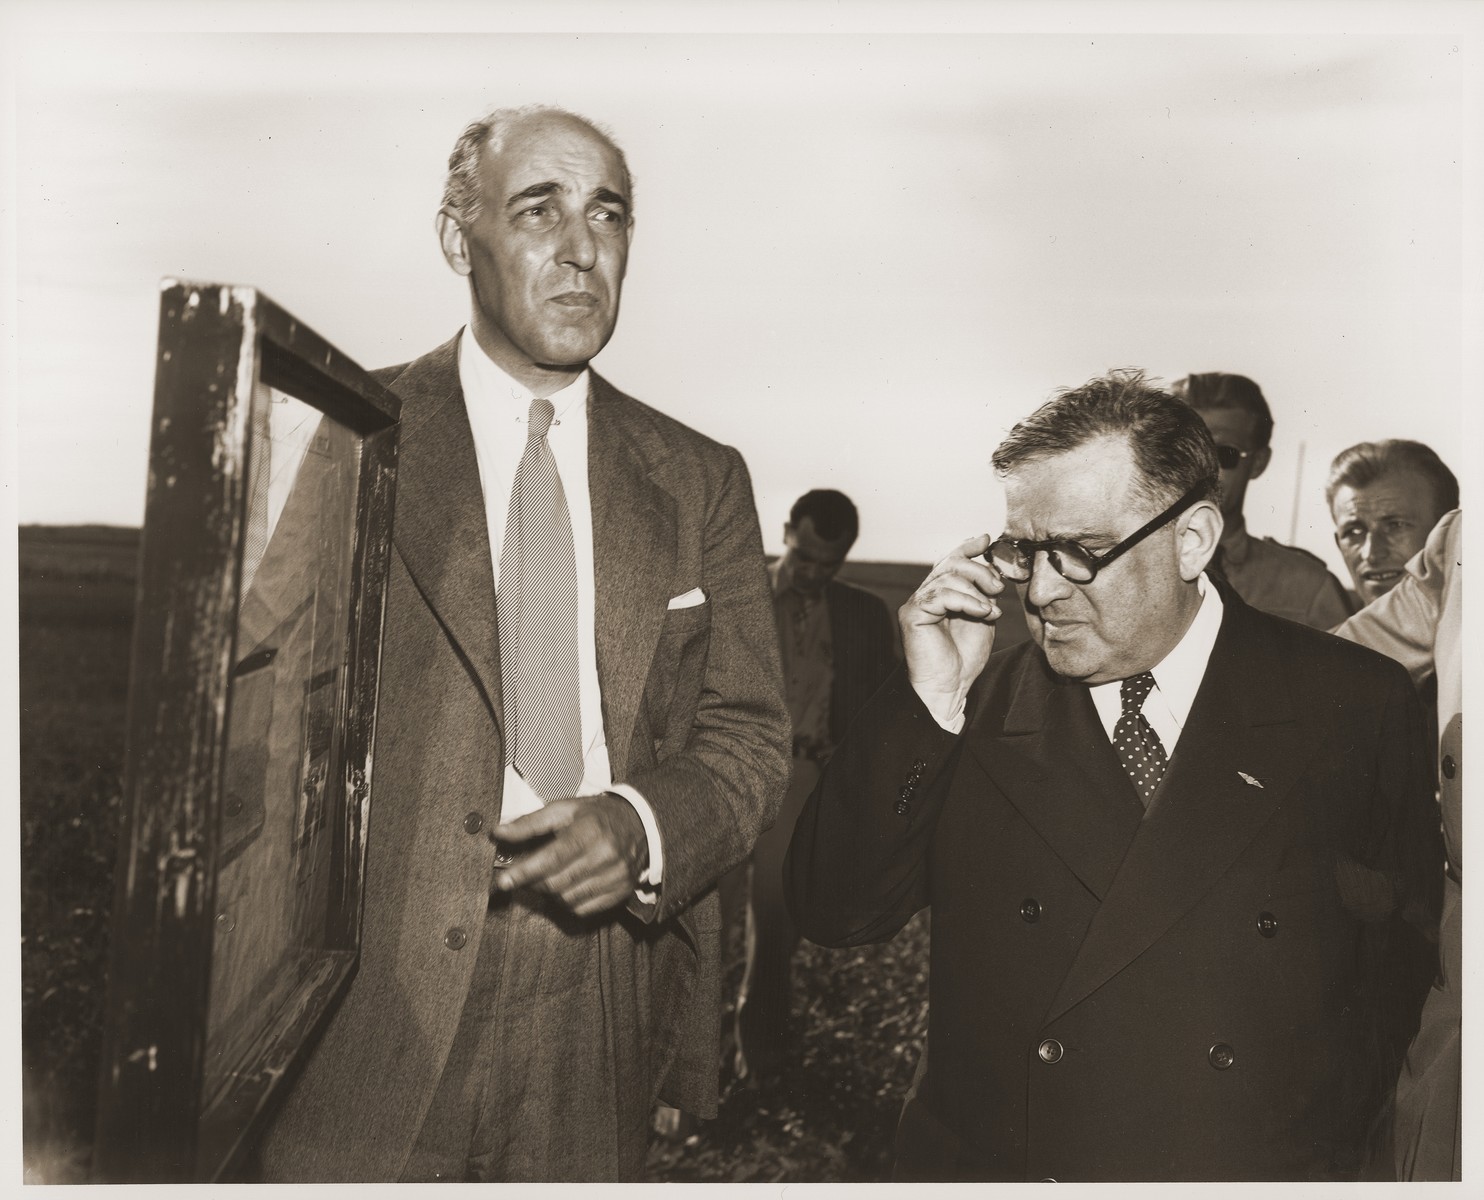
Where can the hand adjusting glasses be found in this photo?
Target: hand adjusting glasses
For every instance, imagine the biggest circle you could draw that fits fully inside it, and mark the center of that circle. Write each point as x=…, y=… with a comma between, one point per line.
x=1015, y=558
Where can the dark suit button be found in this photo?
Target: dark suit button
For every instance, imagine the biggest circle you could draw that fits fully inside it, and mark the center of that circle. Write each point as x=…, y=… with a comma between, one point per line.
x=1450, y=768
x=504, y=855
x=905, y=791
x=455, y=938
x=1050, y=1051
x=1030, y=912
x=1267, y=924
x=234, y=804
x=902, y=807
x=1221, y=1056
x=474, y=822
x=920, y=766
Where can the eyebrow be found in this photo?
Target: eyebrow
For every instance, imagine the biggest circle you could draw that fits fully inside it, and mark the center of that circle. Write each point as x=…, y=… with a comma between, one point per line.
x=1084, y=536
x=537, y=191
x=540, y=191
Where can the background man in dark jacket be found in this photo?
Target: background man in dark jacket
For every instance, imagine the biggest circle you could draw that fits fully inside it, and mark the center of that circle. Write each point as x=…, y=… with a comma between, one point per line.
x=837, y=648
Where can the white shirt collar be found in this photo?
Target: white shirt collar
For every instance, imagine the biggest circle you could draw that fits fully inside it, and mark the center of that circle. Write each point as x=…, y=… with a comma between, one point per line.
x=485, y=382
x=1177, y=676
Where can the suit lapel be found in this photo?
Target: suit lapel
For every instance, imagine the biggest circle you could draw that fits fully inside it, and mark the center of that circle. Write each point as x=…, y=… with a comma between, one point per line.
x=441, y=532
x=1205, y=813
x=1053, y=761
x=634, y=546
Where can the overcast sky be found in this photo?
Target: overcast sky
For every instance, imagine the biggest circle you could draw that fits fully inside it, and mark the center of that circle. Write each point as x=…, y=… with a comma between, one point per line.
x=858, y=257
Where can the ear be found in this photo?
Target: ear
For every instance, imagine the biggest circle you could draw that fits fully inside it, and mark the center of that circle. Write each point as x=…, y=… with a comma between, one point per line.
x=1260, y=460
x=451, y=238
x=1198, y=533
x=788, y=530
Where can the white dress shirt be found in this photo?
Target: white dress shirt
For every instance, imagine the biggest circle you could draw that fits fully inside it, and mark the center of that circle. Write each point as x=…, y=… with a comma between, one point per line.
x=1177, y=676
x=499, y=411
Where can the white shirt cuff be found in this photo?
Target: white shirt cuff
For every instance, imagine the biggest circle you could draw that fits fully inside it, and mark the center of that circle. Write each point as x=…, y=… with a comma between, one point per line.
x=654, y=874
x=952, y=720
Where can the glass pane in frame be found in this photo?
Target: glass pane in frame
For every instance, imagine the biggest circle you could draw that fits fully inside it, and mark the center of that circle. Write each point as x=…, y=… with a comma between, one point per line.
x=284, y=770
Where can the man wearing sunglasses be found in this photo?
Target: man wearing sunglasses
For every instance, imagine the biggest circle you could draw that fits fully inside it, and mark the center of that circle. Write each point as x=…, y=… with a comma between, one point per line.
x=1283, y=580
x=1181, y=855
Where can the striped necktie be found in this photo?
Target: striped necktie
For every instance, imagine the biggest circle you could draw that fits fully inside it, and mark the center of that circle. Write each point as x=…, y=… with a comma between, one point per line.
x=1137, y=744
x=537, y=614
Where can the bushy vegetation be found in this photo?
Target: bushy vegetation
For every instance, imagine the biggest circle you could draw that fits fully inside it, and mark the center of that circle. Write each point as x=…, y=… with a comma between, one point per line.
x=76, y=615
x=861, y=1017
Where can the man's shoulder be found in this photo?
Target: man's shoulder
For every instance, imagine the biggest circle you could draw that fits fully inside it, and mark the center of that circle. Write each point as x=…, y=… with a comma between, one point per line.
x=648, y=425
x=1312, y=660
x=1293, y=560
x=422, y=383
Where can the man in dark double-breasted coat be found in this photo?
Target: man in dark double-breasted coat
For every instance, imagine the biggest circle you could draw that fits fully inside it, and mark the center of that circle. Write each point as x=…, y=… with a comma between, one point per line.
x=538, y=968
x=1181, y=856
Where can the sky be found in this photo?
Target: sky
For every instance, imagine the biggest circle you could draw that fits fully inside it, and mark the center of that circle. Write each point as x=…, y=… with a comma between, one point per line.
x=859, y=257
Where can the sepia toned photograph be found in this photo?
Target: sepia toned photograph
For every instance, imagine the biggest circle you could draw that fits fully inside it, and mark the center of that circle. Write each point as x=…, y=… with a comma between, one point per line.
x=858, y=594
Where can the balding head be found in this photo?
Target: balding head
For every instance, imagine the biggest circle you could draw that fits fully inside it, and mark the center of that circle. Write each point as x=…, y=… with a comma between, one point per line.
x=486, y=138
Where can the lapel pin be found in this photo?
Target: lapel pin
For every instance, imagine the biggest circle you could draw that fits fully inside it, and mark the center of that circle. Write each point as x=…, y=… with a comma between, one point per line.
x=1250, y=780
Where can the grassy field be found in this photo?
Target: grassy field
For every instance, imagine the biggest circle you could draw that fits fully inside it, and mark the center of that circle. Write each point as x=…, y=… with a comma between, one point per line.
x=862, y=1014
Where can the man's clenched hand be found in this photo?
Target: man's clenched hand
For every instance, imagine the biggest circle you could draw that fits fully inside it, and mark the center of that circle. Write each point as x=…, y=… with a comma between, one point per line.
x=593, y=862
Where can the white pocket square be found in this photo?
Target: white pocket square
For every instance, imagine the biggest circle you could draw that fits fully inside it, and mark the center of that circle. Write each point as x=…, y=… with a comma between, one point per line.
x=688, y=599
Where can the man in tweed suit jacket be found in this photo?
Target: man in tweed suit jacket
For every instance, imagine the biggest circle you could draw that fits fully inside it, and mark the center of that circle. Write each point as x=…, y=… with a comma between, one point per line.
x=531, y=984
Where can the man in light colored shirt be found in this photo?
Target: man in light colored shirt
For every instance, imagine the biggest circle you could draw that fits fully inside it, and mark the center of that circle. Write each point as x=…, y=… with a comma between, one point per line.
x=1180, y=927
x=581, y=723
x=1385, y=498
x=1419, y=622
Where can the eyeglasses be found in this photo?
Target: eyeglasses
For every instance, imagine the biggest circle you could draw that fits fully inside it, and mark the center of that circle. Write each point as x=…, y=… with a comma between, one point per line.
x=1015, y=558
x=1230, y=456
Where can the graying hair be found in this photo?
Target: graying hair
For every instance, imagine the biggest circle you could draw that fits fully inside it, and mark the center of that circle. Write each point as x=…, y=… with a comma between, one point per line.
x=461, y=191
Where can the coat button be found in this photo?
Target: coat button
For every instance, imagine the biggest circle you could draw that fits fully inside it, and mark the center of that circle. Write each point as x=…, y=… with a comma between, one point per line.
x=902, y=807
x=1050, y=1050
x=1267, y=924
x=1450, y=768
x=504, y=855
x=905, y=791
x=455, y=938
x=474, y=822
x=1221, y=1056
x=1030, y=912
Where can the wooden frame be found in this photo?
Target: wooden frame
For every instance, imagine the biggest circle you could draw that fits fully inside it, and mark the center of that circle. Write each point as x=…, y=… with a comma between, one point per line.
x=224, y=353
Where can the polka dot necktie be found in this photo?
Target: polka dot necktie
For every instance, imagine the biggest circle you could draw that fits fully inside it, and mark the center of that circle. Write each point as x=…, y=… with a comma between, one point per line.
x=1137, y=744
x=536, y=604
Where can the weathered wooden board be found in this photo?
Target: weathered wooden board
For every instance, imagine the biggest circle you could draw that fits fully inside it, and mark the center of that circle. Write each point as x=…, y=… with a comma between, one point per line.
x=252, y=709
